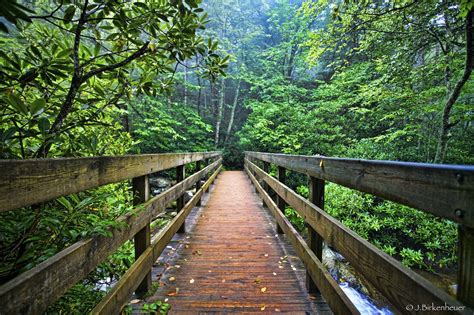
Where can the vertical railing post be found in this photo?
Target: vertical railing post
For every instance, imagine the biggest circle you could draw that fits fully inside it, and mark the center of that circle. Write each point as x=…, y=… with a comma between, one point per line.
x=180, y=175
x=465, y=292
x=266, y=169
x=198, y=183
x=280, y=201
x=315, y=241
x=142, y=239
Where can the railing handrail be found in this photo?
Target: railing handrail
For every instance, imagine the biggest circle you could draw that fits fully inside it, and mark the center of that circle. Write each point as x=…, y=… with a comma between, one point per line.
x=446, y=191
x=397, y=283
x=33, y=290
x=30, y=181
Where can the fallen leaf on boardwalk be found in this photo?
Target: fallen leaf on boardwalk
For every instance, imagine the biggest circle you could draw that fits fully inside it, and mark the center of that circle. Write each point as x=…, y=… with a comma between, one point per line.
x=263, y=290
x=197, y=252
x=277, y=310
x=166, y=300
x=262, y=307
x=257, y=280
x=174, y=293
x=135, y=301
x=274, y=273
x=172, y=279
x=223, y=281
x=191, y=281
x=186, y=246
x=266, y=255
x=281, y=267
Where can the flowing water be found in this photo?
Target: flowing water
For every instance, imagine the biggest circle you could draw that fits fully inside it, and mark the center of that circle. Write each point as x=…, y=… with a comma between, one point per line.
x=364, y=304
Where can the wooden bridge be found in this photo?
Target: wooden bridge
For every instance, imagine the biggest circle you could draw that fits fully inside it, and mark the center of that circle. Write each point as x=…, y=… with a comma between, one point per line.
x=234, y=258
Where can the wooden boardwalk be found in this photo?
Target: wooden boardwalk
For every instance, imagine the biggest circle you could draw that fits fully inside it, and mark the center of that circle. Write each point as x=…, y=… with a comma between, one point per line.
x=231, y=260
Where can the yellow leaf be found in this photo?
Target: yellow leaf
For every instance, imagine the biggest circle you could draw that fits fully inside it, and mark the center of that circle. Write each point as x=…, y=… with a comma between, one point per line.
x=191, y=281
x=172, y=279
x=264, y=289
x=262, y=307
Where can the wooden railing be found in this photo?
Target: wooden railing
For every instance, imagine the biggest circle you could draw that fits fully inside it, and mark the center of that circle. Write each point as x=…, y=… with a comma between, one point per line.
x=446, y=191
x=29, y=182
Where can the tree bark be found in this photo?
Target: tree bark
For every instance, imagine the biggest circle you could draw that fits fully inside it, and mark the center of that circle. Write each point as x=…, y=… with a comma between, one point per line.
x=219, y=112
x=446, y=124
x=232, y=113
x=199, y=96
x=185, y=85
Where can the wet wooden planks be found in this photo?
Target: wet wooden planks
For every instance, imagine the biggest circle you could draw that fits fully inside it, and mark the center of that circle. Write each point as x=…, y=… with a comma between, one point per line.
x=232, y=260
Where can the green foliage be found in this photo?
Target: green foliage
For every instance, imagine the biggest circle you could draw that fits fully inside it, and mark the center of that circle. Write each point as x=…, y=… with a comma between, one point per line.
x=168, y=128
x=296, y=220
x=56, y=81
x=80, y=299
x=416, y=238
x=158, y=307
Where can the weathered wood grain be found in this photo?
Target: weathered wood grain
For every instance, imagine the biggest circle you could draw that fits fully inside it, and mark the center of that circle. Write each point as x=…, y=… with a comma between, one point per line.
x=120, y=294
x=398, y=284
x=446, y=191
x=315, y=241
x=232, y=253
x=281, y=175
x=180, y=175
x=332, y=293
x=466, y=266
x=27, y=182
x=198, y=184
x=141, y=241
x=32, y=291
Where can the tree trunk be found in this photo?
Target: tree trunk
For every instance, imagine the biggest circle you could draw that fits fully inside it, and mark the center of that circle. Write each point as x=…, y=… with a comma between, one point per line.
x=291, y=62
x=199, y=96
x=446, y=124
x=232, y=113
x=219, y=112
x=185, y=86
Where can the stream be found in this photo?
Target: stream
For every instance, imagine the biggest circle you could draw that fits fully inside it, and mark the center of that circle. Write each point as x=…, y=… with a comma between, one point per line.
x=351, y=285
x=362, y=302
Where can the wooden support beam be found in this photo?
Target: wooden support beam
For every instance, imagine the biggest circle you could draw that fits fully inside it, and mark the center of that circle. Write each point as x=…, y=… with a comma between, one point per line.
x=446, y=191
x=281, y=175
x=465, y=292
x=28, y=182
x=315, y=241
x=180, y=175
x=198, y=184
x=266, y=169
x=141, y=194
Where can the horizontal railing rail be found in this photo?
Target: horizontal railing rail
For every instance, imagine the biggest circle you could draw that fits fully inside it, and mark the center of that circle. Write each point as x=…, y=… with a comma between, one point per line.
x=446, y=191
x=34, y=290
x=27, y=182
x=399, y=285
